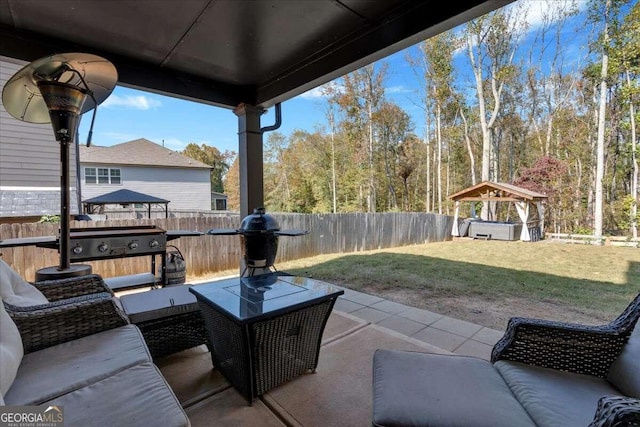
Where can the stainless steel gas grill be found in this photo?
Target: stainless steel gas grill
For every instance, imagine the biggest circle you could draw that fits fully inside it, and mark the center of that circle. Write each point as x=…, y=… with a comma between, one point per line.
x=103, y=243
x=89, y=244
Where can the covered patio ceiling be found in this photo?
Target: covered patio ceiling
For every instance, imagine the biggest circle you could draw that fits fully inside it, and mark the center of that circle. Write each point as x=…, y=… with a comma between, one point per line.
x=243, y=55
x=228, y=52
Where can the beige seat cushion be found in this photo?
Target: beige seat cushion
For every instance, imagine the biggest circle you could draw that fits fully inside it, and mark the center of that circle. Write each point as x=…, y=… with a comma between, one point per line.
x=11, y=350
x=17, y=291
x=625, y=370
x=136, y=397
x=555, y=398
x=54, y=371
x=435, y=390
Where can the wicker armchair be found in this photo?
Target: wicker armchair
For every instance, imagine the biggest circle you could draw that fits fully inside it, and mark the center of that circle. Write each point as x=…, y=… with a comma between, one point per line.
x=617, y=411
x=541, y=373
x=71, y=287
x=567, y=346
x=581, y=349
x=78, y=306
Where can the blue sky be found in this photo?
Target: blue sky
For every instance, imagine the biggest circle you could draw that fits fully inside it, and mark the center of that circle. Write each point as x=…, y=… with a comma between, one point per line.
x=130, y=114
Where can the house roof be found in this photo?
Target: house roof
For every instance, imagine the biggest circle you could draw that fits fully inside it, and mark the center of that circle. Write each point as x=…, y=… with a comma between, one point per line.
x=228, y=52
x=496, y=191
x=139, y=152
x=123, y=196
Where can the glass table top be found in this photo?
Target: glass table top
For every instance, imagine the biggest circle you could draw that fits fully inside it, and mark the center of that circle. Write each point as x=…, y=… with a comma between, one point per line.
x=251, y=298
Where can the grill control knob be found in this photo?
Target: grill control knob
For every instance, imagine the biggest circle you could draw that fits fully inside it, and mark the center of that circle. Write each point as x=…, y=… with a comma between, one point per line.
x=77, y=249
x=154, y=244
x=102, y=247
x=133, y=246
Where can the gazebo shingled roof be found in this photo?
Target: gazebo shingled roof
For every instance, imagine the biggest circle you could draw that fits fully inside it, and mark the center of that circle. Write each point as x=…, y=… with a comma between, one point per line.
x=496, y=191
x=125, y=197
x=488, y=191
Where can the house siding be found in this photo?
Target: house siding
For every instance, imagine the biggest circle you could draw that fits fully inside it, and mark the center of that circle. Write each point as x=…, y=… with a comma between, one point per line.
x=29, y=160
x=186, y=189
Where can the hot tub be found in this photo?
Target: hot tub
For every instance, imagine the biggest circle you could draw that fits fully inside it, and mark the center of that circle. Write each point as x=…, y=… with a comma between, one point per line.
x=495, y=230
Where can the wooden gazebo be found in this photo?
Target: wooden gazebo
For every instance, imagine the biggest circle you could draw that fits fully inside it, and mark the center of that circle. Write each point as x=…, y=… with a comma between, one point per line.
x=524, y=200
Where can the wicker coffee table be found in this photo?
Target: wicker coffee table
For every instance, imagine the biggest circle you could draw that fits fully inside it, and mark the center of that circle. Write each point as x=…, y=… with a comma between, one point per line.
x=169, y=319
x=265, y=329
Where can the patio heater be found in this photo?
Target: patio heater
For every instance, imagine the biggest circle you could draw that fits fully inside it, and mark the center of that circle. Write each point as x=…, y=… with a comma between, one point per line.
x=53, y=90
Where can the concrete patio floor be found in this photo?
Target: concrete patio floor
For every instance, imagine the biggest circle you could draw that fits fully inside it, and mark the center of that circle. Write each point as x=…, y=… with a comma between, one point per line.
x=339, y=392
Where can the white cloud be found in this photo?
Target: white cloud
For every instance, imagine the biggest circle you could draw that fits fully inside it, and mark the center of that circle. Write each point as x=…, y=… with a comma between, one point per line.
x=139, y=102
x=320, y=91
x=314, y=93
x=176, y=144
x=536, y=10
x=398, y=89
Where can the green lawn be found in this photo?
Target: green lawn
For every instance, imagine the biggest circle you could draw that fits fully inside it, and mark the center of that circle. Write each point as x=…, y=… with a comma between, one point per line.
x=601, y=279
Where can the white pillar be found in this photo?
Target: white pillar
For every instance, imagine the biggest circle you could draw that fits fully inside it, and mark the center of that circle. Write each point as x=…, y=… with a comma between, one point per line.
x=523, y=213
x=454, y=229
x=541, y=215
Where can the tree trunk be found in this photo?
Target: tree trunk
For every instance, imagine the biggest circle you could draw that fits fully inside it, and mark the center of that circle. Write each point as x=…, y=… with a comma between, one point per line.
x=597, y=215
x=634, y=161
x=467, y=140
x=333, y=165
x=439, y=159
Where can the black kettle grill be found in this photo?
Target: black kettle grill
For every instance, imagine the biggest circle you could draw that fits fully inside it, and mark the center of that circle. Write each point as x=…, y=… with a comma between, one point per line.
x=259, y=233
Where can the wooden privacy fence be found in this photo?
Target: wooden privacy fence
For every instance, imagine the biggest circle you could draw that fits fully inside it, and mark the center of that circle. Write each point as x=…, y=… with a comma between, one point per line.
x=328, y=233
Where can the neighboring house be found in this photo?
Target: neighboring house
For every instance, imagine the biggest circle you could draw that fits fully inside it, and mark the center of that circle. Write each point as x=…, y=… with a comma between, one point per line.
x=218, y=201
x=29, y=164
x=146, y=167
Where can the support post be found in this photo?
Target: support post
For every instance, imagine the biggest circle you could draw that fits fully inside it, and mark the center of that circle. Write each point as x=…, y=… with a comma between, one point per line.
x=251, y=162
x=65, y=201
x=455, y=230
x=250, y=158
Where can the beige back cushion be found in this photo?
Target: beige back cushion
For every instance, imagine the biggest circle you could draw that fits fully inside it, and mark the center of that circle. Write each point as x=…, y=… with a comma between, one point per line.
x=11, y=350
x=17, y=291
x=625, y=370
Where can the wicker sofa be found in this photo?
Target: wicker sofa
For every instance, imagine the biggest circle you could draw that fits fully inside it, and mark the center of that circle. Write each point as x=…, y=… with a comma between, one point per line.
x=79, y=352
x=541, y=373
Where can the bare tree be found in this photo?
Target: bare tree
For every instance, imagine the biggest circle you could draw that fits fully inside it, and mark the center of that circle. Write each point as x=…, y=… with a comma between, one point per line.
x=491, y=42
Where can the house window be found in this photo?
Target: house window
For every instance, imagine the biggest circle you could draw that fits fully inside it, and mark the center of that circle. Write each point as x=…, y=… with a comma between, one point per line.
x=90, y=175
x=102, y=176
x=220, y=204
x=114, y=175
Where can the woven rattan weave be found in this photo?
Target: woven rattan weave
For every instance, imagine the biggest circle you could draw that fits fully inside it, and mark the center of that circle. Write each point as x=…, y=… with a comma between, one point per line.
x=259, y=356
x=172, y=334
x=64, y=318
x=566, y=346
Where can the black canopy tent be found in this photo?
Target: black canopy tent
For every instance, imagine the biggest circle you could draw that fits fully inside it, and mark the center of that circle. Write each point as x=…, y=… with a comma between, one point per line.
x=124, y=197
